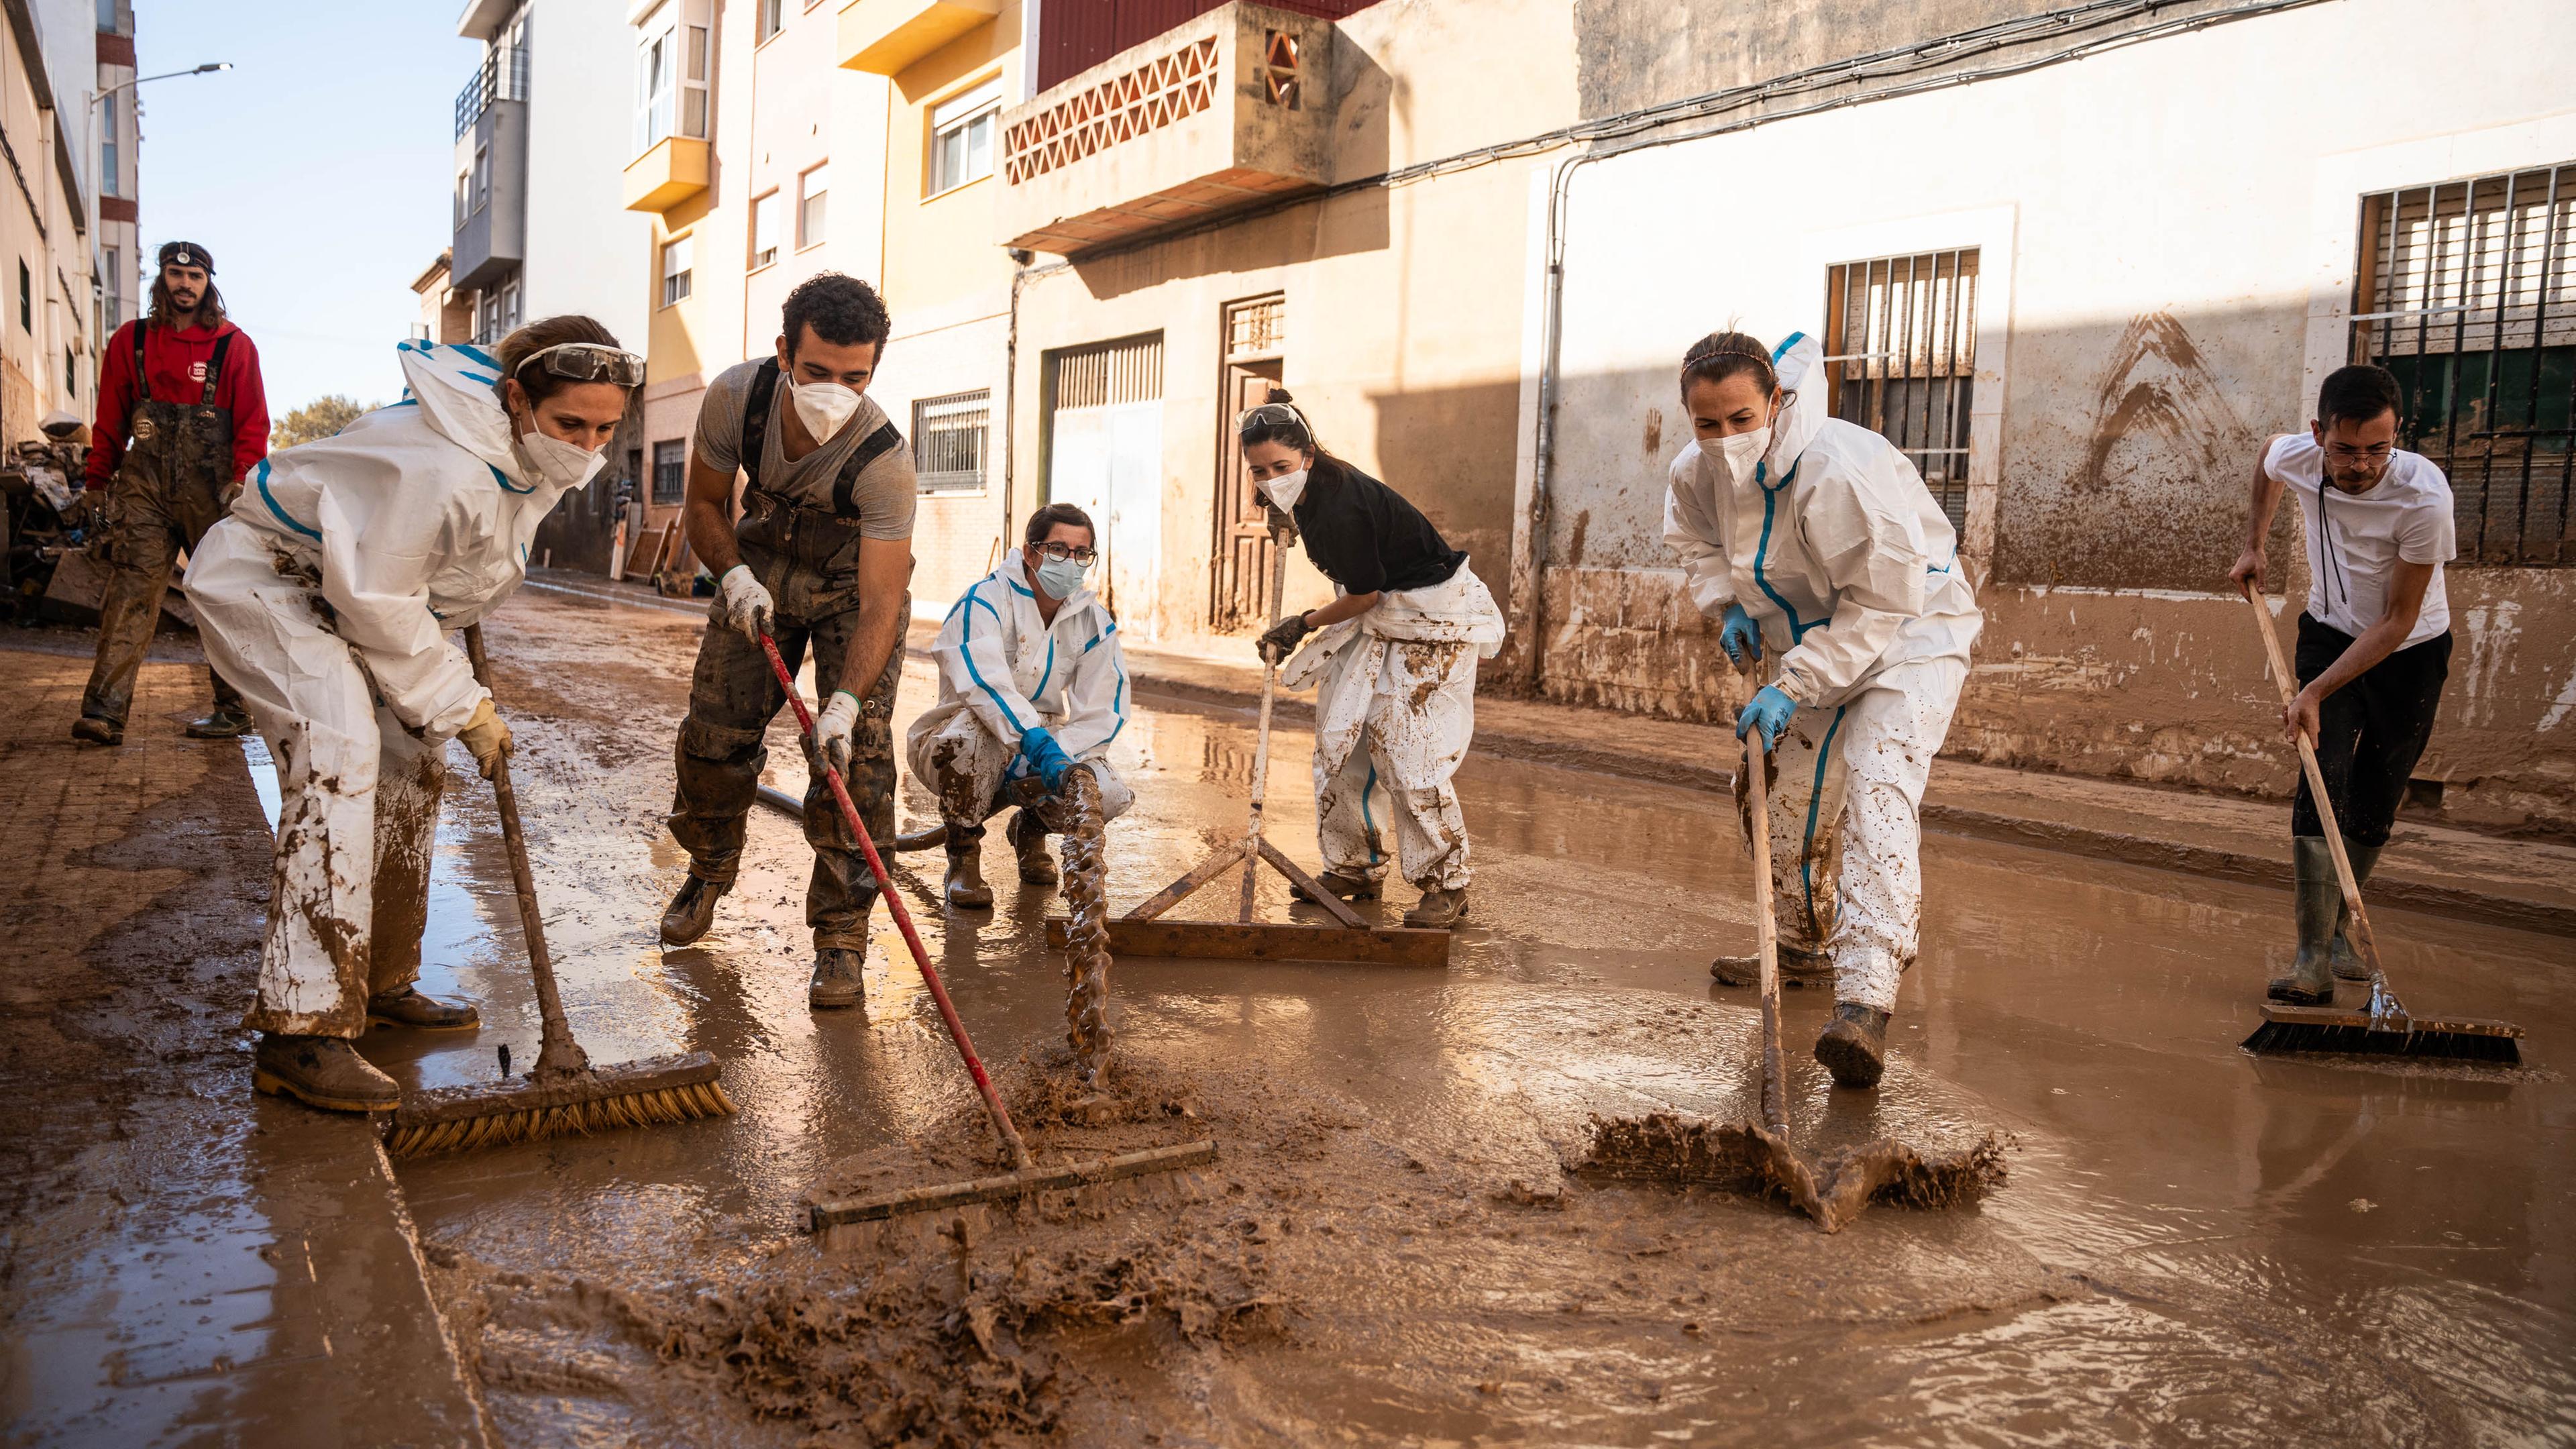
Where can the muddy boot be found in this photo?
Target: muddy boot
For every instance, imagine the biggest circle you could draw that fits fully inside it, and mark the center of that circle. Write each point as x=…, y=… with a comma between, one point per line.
x=95, y=730
x=836, y=979
x=416, y=1009
x=2347, y=961
x=1853, y=1046
x=1438, y=910
x=692, y=910
x=321, y=1071
x=2314, y=903
x=965, y=889
x=228, y=722
x=1797, y=968
x=1348, y=887
x=1028, y=839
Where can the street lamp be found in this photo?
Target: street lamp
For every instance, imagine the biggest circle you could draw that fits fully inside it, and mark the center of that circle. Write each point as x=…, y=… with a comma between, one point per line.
x=209, y=68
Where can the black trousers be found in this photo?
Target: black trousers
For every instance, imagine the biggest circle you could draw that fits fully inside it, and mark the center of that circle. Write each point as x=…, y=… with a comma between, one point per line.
x=2370, y=733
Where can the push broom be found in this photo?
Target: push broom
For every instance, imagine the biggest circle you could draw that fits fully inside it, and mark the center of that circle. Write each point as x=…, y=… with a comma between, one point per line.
x=1025, y=1176
x=564, y=1095
x=1756, y=1158
x=2385, y=1028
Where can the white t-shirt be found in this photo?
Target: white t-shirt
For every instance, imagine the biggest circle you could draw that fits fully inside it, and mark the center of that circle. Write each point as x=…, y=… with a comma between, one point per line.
x=2355, y=539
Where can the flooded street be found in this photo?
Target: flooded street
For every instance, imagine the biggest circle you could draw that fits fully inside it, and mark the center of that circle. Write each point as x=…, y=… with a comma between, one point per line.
x=2193, y=1246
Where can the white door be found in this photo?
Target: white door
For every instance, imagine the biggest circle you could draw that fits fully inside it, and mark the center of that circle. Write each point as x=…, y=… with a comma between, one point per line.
x=1105, y=456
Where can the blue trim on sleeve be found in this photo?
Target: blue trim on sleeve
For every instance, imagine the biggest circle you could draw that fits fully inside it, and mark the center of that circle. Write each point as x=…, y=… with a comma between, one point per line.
x=1781, y=351
x=968, y=654
x=506, y=485
x=478, y=354
x=1103, y=634
x=283, y=516
x=478, y=377
x=1815, y=798
x=1118, y=707
x=1015, y=588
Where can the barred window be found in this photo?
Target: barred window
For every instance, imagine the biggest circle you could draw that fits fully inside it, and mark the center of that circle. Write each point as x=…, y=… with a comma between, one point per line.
x=2462, y=291
x=1901, y=360
x=670, y=471
x=948, y=441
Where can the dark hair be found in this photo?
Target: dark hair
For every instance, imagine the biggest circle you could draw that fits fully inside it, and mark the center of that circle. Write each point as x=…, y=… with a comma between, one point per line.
x=1295, y=433
x=2358, y=394
x=210, y=307
x=541, y=383
x=1044, y=521
x=841, y=309
x=1721, y=355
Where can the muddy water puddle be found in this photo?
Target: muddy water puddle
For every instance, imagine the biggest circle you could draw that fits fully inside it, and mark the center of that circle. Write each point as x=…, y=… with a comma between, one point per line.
x=2193, y=1246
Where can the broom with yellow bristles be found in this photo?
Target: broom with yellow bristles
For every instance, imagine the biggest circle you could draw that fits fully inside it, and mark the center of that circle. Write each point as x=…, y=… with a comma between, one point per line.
x=565, y=1095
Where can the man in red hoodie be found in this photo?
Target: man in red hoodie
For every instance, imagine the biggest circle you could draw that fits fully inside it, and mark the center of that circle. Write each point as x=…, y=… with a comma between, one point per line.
x=181, y=418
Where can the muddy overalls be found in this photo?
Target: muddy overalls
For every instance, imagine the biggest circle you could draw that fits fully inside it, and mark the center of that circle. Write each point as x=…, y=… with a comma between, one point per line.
x=169, y=490
x=808, y=559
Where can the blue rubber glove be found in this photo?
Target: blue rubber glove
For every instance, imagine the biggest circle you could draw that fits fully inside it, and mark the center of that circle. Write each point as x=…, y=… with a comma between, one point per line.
x=1768, y=712
x=1044, y=757
x=1740, y=637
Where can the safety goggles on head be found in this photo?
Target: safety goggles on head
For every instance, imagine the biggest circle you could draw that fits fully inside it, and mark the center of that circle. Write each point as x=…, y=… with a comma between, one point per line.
x=589, y=362
x=1269, y=415
x=1062, y=552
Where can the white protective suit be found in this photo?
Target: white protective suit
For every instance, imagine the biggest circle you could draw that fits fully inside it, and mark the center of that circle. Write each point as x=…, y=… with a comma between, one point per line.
x=1842, y=556
x=1003, y=670
x=327, y=596
x=1400, y=678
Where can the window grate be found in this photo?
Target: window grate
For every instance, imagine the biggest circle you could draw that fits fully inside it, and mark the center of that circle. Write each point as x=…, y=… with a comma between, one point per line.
x=670, y=471
x=948, y=442
x=1257, y=328
x=1901, y=360
x=1113, y=372
x=2464, y=293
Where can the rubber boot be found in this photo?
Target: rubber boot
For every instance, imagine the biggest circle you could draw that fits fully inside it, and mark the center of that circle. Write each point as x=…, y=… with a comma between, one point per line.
x=2347, y=961
x=1853, y=1046
x=420, y=1011
x=228, y=722
x=1438, y=910
x=2313, y=905
x=836, y=979
x=1348, y=887
x=321, y=1071
x=1028, y=841
x=692, y=911
x=95, y=730
x=1797, y=968
x=964, y=889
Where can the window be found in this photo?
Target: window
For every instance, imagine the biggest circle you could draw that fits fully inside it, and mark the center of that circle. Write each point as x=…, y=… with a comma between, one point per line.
x=961, y=136
x=2462, y=291
x=482, y=179
x=107, y=14
x=112, y=279
x=671, y=73
x=670, y=471
x=26, y=297
x=948, y=442
x=464, y=197
x=770, y=17
x=675, y=269
x=107, y=172
x=487, y=323
x=809, y=207
x=764, y=231
x=1901, y=360
x=71, y=372
x=510, y=318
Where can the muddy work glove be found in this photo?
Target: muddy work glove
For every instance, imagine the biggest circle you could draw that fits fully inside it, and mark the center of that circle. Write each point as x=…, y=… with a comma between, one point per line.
x=1740, y=637
x=1281, y=640
x=833, y=728
x=742, y=604
x=1041, y=756
x=487, y=737
x=1768, y=712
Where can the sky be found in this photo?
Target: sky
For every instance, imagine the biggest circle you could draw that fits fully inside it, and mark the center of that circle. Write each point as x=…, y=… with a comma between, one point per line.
x=315, y=170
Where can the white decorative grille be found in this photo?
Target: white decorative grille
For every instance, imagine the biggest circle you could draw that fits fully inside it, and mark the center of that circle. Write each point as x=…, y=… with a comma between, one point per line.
x=1163, y=90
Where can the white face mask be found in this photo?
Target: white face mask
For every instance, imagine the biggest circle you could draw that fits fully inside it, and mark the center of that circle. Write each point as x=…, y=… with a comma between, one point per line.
x=823, y=407
x=1734, y=457
x=553, y=461
x=1286, y=489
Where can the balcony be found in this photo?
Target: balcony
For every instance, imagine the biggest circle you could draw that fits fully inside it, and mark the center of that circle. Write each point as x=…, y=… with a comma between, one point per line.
x=672, y=171
x=1227, y=111
x=489, y=234
x=503, y=76
x=882, y=37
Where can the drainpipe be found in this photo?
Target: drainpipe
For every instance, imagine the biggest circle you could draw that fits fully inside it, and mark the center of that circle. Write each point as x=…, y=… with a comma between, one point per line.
x=1529, y=568
x=1020, y=259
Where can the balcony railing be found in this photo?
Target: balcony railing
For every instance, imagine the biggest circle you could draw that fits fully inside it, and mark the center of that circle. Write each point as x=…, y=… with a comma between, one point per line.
x=503, y=76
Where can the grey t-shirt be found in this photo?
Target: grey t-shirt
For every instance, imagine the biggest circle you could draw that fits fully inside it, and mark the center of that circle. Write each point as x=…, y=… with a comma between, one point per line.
x=884, y=493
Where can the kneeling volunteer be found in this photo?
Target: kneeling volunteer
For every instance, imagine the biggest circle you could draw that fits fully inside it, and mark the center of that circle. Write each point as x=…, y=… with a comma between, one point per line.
x=1396, y=661
x=1031, y=683
x=326, y=596
x=1815, y=539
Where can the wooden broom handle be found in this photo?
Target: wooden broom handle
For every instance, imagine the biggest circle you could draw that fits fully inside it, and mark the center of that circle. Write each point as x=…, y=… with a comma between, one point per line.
x=2281, y=675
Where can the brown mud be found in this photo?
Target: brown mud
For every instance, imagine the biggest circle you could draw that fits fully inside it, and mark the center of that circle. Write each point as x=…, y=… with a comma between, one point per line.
x=2195, y=1247
x=1744, y=1158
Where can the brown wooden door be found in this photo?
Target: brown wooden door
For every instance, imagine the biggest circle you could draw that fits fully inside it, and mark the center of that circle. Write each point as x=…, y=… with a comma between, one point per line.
x=1243, y=550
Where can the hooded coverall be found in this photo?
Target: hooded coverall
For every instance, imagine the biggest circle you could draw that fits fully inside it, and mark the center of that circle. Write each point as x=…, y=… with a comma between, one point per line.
x=1840, y=553
x=327, y=594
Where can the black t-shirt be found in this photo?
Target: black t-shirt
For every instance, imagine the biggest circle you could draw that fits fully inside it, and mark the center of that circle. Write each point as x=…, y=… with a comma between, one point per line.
x=1365, y=537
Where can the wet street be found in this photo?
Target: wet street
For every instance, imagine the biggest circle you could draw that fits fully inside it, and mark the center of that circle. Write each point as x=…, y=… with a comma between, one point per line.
x=2193, y=1246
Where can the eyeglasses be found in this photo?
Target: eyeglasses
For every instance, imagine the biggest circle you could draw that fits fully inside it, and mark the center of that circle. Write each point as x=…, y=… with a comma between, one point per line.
x=1268, y=415
x=2376, y=453
x=590, y=362
x=1061, y=552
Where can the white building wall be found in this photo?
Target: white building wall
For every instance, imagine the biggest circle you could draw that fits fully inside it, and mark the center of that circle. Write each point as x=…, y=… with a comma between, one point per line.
x=586, y=252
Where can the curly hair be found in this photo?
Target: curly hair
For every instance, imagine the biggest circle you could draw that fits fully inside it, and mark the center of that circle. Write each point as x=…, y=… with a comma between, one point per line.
x=842, y=310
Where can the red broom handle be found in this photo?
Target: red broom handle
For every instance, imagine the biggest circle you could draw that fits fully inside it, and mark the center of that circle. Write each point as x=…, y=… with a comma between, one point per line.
x=902, y=917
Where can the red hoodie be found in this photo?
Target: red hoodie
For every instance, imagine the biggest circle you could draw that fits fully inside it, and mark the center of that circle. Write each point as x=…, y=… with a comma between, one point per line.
x=176, y=363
